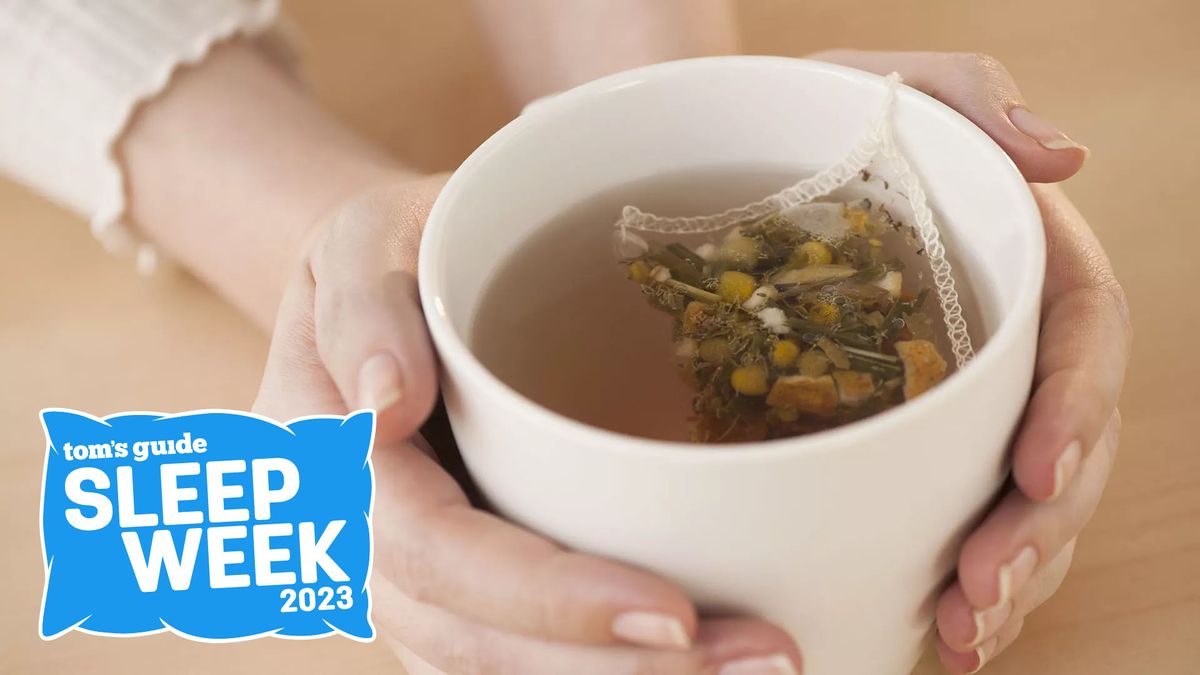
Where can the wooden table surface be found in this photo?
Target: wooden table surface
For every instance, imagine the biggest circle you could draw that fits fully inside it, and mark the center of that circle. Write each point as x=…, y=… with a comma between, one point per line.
x=82, y=330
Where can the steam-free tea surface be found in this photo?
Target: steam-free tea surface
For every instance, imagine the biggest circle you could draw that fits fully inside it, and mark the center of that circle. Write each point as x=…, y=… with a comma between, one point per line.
x=562, y=325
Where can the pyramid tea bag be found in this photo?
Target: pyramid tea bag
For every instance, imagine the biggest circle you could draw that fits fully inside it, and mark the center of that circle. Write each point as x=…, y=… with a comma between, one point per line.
x=821, y=304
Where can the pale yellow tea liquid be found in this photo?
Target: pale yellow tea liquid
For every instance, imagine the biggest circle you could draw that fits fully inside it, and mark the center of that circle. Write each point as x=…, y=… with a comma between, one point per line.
x=562, y=325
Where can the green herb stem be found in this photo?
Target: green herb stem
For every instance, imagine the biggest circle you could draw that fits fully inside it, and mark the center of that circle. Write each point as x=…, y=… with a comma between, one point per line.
x=692, y=291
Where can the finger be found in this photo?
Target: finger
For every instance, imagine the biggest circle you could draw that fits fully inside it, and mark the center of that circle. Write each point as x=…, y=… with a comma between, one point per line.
x=1082, y=353
x=1004, y=638
x=961, y=663
x=370, y=329
x=955, y=662
x=963, y=628
x=744, y=646
x=294, y=382
x=1045, y=583
x=431, y=640
x=1019, y=536
x=980, y=88
x=413, y=664
x=442, y=552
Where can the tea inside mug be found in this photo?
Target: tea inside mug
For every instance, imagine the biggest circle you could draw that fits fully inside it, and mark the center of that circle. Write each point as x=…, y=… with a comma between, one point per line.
x=561, y=324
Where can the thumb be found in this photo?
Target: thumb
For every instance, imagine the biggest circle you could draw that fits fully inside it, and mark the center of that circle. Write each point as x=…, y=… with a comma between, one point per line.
x=369, y=329
x=981, y=89
x=371, y=337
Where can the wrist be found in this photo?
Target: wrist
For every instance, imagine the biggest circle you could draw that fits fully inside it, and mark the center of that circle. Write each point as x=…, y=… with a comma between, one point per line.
x=232, y=168
x=303, y=244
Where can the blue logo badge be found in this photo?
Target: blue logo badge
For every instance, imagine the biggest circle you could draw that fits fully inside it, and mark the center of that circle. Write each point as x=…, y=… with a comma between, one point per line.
x=215, y=525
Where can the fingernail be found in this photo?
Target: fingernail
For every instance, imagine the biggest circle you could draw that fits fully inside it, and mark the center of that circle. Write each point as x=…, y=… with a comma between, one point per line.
x=983, y=652
x=379, y=382
x=1065, y=466
x=779, y=664
x=988, y=621
x=651, y=630
x=1014, y=575
x=1042, y=131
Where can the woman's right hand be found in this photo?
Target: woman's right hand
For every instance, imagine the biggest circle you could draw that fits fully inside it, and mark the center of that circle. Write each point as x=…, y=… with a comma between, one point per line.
x=456, y=589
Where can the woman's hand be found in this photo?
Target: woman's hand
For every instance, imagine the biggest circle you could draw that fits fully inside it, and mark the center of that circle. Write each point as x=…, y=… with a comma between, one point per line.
x=459, y=590
x=1019, y=554
x=230, y=171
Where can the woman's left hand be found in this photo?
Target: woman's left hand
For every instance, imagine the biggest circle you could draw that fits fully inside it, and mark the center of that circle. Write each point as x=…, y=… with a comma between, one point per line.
x=1017, y=557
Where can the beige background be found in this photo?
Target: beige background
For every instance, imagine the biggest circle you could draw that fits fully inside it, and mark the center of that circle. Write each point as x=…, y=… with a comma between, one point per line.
x=82, y=330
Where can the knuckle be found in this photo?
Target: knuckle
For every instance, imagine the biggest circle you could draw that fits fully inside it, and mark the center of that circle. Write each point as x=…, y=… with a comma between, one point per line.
x=1011, y=632
x=547, y=613
x=1098, y=311
x=296, y=341
x=1114, y=424
x=415, y=656
x=457, y=652
x=1044, y=585
x=977, y=63
x=294, y=333
x=407, y=564
x=415, y=575
x=425, y=651
x=543, y=610
x=392, y=215
x=1061, y=526
x=1110, y=439
x=462, y=657
x=340, y=302
x=1067, y=556
x=1106, y=281
x=489, y=654
x=336, y=309
x=1053, y=575
x=1120, y=303
x=1101, y=284
x=977, y=551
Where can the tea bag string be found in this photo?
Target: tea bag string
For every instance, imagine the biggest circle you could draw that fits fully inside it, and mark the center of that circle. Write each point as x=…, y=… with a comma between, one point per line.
x=935, y=251
x=877, y=143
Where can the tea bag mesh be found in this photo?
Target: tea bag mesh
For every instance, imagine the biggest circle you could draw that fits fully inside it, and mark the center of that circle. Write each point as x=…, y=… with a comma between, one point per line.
x=876, y=150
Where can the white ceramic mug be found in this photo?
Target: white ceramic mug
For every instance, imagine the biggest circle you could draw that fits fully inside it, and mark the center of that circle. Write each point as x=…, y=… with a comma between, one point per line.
x=843, y=537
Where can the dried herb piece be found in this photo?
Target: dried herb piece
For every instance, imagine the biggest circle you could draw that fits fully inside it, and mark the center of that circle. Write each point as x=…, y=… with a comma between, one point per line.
x=781, y=332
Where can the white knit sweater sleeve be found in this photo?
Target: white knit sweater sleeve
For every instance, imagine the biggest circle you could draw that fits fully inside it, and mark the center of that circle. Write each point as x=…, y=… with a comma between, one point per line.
x=72, y=72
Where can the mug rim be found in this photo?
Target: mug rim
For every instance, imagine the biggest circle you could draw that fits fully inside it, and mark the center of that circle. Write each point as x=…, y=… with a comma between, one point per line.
x=452, y=347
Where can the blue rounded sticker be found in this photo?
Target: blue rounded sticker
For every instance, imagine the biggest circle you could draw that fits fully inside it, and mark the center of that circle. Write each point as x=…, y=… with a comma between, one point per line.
x=216, y=525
